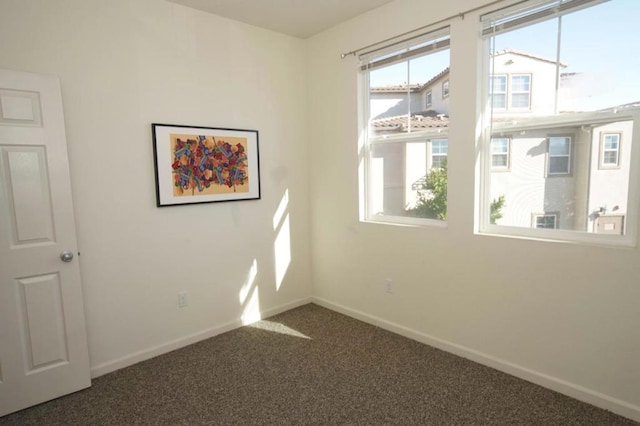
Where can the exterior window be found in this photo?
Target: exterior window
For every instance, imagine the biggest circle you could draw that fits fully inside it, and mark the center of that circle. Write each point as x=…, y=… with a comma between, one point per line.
x=559, y=155
x=520, y=91
x=546, y=221
x=445, y=88
x=568, y=171
x=500, y=153
x=610, y=154
x=438, y=153
x=499, y=91
x=404, y=176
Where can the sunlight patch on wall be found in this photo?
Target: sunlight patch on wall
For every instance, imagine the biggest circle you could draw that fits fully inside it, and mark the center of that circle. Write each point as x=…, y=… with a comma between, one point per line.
x=248, y=285
x=282, y=244
x=281, y=210
x=278, y=328
x=251, y=311
x=282, y=248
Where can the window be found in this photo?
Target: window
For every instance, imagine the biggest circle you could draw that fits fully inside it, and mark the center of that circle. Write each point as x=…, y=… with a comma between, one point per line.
x=499, y=91
x=546, y=221
x=610, y=152
x=405, y=145
x=438, y=153
x=520, y=91
x=499, y=153
x=445, y=89
x=559, y=155
x=561, y=139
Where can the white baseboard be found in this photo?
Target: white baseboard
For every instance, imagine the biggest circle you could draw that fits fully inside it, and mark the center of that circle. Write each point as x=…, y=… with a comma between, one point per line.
x=575, y=391
x=172, y=345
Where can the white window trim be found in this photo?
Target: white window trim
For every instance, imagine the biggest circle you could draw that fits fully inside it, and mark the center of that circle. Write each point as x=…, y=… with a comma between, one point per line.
x=512, y=92
x=505, y=92
x=507, y=167
x=367, y=141
x=486, y=229
x=567, y=156
x=601, y=163
x=509, y=92
x=420, y=136
x=429, y=99
x=445, y=83
x=430, y=166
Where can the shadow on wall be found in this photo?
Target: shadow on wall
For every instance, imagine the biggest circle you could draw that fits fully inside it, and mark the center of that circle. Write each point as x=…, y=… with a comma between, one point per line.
x=540, y=149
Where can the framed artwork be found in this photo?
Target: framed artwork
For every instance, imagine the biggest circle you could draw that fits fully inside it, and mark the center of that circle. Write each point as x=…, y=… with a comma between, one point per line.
x=205, y=164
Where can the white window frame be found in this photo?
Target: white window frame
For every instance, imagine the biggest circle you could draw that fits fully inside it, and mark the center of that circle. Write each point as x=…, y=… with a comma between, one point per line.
x=504, y=92
x=493, y=23
x=369, y=141
x=445, y=89
x=442, y=156
x=513, y=92
x=567, y=156
x=429, y=98
x=507, y=166
x=604, y=150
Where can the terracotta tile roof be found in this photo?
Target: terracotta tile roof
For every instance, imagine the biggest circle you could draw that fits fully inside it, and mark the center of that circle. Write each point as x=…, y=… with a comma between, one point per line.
x=421, y=120
x=401, y=88
x=413, y=88
x=435, y=78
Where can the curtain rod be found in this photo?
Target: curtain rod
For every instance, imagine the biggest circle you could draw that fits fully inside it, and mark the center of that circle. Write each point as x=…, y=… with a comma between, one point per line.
x=458, y=15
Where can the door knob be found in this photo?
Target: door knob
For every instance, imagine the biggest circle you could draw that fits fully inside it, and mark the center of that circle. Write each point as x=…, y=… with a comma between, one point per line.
x=66, y=256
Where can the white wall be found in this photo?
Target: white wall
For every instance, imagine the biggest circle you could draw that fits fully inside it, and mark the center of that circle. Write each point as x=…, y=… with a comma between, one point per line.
x=560, y=314
x=563, y=315
x=123, y=65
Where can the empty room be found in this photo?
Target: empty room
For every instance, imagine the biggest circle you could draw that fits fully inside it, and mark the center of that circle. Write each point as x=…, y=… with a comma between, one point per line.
x=319, y=212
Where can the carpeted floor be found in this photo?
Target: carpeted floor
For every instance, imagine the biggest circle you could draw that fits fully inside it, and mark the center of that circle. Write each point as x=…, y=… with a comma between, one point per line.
x=313, y=366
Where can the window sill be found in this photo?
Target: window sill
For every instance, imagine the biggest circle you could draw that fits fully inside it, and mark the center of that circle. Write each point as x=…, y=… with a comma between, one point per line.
x=558, y=236
x=405, y=221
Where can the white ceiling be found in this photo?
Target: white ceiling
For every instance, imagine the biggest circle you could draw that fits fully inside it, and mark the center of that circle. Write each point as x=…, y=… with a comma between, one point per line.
x=299, y=18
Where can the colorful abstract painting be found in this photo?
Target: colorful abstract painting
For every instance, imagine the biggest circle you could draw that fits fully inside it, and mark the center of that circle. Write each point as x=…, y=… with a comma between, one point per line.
x=208, y=165
x=205, y=164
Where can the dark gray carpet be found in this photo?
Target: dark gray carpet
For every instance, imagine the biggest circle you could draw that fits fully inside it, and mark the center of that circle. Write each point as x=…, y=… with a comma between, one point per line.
x=345, y=373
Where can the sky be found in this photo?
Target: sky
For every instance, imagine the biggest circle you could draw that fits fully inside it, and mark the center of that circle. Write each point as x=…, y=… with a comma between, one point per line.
x=601, y=43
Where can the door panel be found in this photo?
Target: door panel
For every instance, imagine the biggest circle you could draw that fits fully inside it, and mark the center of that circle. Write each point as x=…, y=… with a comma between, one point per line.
x=43, y=344
x=28, y=195
x=41, y=322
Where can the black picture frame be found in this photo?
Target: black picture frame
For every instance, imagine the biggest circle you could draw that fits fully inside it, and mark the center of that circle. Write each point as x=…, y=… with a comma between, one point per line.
x=198, y=164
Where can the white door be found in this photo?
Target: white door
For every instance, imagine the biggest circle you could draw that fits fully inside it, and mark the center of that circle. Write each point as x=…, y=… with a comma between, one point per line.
x=43, y=343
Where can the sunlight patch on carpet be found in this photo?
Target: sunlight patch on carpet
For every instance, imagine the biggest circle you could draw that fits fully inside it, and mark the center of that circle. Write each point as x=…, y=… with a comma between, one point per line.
x=278, y=328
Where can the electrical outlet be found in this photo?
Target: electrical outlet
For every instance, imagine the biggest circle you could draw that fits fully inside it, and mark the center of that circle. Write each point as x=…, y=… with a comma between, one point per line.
x=388, y=286
x=182, y=299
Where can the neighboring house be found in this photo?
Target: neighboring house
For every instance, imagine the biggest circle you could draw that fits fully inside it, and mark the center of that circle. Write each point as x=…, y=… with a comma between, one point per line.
x=568, y=172
x=568, y=176
x=391, y=101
